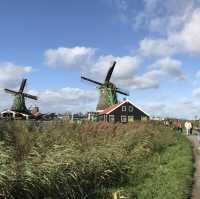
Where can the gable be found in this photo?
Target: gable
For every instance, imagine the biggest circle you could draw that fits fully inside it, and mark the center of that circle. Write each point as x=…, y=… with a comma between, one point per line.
x=127, y=103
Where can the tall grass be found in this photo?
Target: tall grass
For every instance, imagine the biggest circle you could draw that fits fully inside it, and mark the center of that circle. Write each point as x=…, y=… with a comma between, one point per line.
x=64, y=160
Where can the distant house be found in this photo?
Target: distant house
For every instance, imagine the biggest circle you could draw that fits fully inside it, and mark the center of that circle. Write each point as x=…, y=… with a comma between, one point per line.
x=123, y=112
x=8, y=114
x=92, y=116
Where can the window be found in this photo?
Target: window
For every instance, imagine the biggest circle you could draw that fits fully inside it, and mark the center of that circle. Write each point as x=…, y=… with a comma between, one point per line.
x=124, y=108
x=130, y=118
x=123, y=118
x=111, y=118
x=130, y=108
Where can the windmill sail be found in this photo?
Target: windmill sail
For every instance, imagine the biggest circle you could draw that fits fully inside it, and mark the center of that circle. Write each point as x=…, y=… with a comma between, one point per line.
x=22, y=86
x=108, y=90
x=110, y=71
x=123, y=92
x=19, y=98
x=90, y=80
x=10, y=91
x=30, y=96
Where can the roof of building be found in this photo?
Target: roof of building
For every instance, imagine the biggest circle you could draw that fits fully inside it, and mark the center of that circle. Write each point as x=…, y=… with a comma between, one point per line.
x=109, y=109
x=115, y=106
x=14, y=112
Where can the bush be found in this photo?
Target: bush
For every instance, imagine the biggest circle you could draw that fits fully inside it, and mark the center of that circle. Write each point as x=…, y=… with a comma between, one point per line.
x=100, y=160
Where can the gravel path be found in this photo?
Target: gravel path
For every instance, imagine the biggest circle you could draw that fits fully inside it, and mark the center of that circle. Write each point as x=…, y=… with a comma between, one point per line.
x=196, y=186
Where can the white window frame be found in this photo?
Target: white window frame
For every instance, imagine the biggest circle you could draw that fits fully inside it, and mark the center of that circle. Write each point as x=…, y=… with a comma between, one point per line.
x=130, y=108
x=123, y=117
x=123, y=108
x=113, y=118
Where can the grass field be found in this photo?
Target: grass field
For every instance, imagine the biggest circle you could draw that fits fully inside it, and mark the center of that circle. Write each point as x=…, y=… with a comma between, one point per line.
x=93, y=161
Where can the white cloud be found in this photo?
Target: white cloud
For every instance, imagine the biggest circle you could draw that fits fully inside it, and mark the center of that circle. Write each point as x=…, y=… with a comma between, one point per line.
x=196, y=92
x=187, y=108
x=170, y=67
x=187, y=39
x=60, y=100
x=190, y=35
x=180, y=108
x=126, y=66
x=154, y=15
x=91, y=64
x=126, y=70
x=158, y=71
x=147, y=80
x=68, y=57
x=10, y=73
x=66, y=99
x=156, y=47
x=155, y=108
x=125, y=73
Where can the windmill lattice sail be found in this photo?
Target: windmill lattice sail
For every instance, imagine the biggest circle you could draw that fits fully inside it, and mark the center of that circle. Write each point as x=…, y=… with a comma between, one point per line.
x=19, y=98
x=108, y=90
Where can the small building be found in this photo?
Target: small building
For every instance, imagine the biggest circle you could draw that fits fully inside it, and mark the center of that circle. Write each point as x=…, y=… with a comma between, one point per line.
x=157, y=118
x=78, y=117
x=9, y=114
x=92, y=116
x=123, y=112
x=35, y=110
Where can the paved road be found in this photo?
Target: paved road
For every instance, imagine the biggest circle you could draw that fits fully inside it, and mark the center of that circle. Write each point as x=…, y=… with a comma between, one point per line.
x=196, y=186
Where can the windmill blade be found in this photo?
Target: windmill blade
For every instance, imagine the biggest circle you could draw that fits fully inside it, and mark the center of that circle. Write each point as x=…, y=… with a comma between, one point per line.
x=22, y=86
x=123, y=92
x=110, y=71
x=10, y=91
x=30, y=96
x=90, y=80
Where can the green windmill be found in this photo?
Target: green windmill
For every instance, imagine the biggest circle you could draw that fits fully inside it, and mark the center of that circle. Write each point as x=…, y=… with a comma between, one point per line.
x=19, y=98
x=108, y=90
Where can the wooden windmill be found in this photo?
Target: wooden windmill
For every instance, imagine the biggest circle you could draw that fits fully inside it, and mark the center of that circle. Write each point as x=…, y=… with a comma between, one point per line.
x=108, y=90
x=19, y=98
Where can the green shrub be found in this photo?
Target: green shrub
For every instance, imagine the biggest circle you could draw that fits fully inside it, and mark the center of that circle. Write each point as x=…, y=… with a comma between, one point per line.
x=65, y=160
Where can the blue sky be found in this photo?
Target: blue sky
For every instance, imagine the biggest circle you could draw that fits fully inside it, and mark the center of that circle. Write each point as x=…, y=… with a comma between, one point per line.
x=156, y=45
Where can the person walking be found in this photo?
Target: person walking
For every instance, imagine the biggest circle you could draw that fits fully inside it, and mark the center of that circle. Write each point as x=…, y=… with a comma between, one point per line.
x=179, y=126
x=188, y=127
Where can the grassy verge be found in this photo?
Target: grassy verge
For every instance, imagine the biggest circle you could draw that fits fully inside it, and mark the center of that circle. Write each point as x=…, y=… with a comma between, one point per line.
x=63, y=160
x=169, y=173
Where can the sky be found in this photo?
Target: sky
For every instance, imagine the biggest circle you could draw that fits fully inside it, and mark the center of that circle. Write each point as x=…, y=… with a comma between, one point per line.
x=156, y=45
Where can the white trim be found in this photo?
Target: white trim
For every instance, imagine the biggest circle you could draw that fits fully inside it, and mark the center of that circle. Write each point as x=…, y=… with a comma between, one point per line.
x=14, y=112
x=130, y=103
x=99, y=111
x=123, y=108
x=8, y=111
x=124, y=116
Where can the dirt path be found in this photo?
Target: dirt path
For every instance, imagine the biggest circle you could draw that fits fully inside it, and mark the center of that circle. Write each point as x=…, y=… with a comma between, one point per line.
x=196, y=186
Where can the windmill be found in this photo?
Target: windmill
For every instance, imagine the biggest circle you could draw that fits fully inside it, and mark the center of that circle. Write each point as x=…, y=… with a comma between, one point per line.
x=19, y=98
x=108, y=90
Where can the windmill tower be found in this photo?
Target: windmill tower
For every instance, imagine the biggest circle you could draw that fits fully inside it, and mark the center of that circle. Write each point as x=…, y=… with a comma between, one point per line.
x=108, y=90
x=19, y=98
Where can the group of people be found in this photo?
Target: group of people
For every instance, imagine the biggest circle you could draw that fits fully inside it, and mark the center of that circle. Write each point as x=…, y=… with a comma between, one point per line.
x=178, y=126
x=188, y=126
